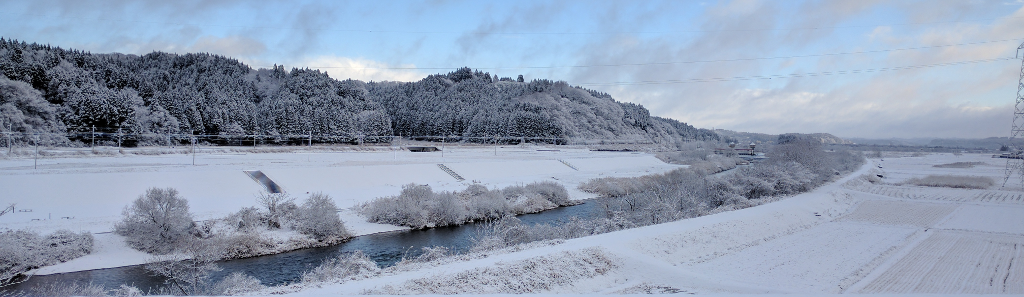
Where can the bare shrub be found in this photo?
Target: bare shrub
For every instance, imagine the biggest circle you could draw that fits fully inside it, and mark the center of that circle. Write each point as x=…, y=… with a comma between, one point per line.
x=809, y=153
x=796, y=166
x=68, y=289
x=126, y=291
x=959, y=165
x=418, y=206
x=156, y=221
x=510, y=231
x=551, y=191
x=236, y=283
x=23, y=250
x=343, y=267
x=953, y=181
x=248, y=218
x=318, y=218
x=278, y=205
x=188, y=271
x=532, y=275
x=773, y=179
x=485, y=204
x=243, y=244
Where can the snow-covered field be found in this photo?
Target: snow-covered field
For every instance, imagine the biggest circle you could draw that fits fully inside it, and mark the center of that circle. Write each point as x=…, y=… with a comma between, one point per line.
x=850, y=236
x=88, y=193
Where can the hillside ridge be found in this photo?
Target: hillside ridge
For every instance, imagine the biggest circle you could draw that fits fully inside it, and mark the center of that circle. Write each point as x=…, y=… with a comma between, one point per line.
x=52, y=90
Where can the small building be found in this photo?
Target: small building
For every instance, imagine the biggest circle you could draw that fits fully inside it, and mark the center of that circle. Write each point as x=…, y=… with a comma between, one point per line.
x=739, y=151
x=422, y=149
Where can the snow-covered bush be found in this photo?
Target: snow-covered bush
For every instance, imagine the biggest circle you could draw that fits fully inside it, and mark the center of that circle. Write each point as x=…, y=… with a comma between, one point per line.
x=187, y=272
x=156, y=221
x=531, y=275
x=236, y=283
x=23, y=250
x=68, y=289
x=794, y=167
x=953, y=181
x=126, y=291
x=772, y=179
x=510, y=231
x=418, y=206
x=343, y=267
x=279, y=206
x=243, y=244
x=318, y=218
x=485, y=204
x=550, y=191
x=248, y=218
x=959, y=165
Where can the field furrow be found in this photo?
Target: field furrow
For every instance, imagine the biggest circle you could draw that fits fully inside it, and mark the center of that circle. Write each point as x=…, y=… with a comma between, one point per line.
x=956, y=263
x=899, y=213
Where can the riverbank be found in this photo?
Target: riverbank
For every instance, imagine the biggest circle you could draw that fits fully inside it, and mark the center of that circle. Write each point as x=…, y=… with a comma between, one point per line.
x=88, y=193
x=850, y=236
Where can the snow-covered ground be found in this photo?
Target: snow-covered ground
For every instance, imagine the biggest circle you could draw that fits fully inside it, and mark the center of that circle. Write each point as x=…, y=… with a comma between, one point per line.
x=88, y=193
x=850, y=236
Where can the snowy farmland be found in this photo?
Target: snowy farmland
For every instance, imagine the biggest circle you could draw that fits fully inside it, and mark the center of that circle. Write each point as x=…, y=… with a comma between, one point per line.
x=851, y=236
x=88, y=193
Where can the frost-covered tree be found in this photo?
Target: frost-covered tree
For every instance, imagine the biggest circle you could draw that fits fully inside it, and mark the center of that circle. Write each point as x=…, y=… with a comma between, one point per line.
x=188, y=271
x=23, y=109
x=318, y=218
x=418, y=206
x=279, y=206
x=156, y=221
x=23, y=250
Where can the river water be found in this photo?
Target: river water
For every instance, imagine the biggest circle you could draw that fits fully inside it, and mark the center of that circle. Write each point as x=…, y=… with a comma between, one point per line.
x=384, y=248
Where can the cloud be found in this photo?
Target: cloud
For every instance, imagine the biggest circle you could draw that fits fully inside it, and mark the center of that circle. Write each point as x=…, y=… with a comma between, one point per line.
x=778, y=111
x=308, y=32
x=958, y=101
x=361, y=69
x=231, y=46
x=518, y=20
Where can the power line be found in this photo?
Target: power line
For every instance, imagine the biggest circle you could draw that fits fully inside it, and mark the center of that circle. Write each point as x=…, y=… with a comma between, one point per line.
x=372, y=31
x=792, y=75
x=674, y=62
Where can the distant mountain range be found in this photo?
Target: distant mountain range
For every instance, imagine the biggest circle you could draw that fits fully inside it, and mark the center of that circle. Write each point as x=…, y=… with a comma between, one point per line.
x=761, y=138
x=991, y=143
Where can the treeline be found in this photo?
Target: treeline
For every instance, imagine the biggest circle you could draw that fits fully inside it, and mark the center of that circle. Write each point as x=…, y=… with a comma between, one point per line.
x=419, y=206
x=794, y=166
x=50, y=89
x=477, y=104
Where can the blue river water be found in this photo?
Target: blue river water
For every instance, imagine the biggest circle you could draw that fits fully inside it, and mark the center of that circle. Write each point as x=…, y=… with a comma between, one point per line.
x=384, y=248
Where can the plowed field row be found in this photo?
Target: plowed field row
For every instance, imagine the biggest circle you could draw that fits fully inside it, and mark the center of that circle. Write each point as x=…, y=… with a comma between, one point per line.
x=899, y=213
x=939, y=194
x=957, y=263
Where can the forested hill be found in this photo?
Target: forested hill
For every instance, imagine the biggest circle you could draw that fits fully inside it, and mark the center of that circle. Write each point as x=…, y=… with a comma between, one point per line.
x=49, y=89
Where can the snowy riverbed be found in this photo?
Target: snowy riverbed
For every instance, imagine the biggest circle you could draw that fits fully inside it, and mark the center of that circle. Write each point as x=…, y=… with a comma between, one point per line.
x=88, y=193
x=850, y=236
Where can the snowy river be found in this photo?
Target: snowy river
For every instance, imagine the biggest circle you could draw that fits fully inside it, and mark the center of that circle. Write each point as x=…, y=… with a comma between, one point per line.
x=384, y=248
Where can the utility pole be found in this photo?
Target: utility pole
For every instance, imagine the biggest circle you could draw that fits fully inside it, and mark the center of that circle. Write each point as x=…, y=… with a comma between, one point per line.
x=193, y=138
x=310, y=138
x=93, y=134
x=35, y=162
x=10, y=142
x=255, y=133
x=118, y=137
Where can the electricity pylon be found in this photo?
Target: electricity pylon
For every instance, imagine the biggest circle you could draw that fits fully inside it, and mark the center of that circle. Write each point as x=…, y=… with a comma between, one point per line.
x=1015, y=158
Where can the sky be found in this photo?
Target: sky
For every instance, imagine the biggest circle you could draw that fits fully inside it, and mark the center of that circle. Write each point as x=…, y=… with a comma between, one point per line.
x=859, y=68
